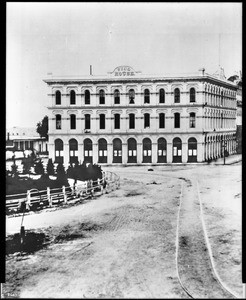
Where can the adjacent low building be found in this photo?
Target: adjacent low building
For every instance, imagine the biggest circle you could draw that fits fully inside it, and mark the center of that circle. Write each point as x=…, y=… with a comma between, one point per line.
x=126, y=117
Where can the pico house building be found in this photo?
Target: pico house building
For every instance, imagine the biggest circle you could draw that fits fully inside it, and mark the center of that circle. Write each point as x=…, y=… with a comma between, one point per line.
x=126, y=117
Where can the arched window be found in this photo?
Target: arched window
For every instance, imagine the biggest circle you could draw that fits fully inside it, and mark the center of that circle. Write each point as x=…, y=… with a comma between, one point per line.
x=101, y=97
x=58, y=151
x=222, y=98
x=192, y=95
x=87, y=121
x=102, y=151
x=72, y=97
x=146, y=120
x=73, y=151
x=58, y=97
x=58, y=121
x=117, y=151
x=87, y=97
x=116, y=97
x=131, y=96
x=176, y=120
x=161, y=120
x=192, y=120
x=132, y=150
x=72, y=121
x=161, y=96
x=131, y=121
x=117, y=121
x=102, y=121
x=88, y=151
x=146, y=96
x=192, y=150
x=176, y=95
x=162, y=150
x=177, y=150
x=147, y=147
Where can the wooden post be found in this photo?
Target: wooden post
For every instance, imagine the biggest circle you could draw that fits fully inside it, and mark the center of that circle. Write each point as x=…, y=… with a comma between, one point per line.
x=244, y=290
x=64, y=194
x=28, y=202
x=49, y=197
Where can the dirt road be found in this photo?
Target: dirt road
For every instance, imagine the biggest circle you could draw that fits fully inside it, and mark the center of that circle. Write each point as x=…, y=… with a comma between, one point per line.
x=126, y=241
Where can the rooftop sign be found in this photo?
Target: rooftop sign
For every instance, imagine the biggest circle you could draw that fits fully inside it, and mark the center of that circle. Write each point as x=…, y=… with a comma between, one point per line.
x=123, y=71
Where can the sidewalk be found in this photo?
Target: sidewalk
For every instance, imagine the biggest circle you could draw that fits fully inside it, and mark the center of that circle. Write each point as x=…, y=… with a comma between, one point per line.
x=231, y=159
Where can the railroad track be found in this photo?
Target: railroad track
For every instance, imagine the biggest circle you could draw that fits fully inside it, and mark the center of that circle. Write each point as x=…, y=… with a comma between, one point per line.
x=194, y=261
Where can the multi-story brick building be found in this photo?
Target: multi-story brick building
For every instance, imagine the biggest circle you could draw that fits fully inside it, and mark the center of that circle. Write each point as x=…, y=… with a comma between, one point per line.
x=126, y=117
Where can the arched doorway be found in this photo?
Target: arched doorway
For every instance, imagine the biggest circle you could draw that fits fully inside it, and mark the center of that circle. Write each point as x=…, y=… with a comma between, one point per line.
x=162, y=150
x=192, y=150
x=59, y=151
x=177, y=150
x=73, y=151
x=132, y=150
x=117, y=151
x=102, y=151
x=88, y=151
x=147, y=146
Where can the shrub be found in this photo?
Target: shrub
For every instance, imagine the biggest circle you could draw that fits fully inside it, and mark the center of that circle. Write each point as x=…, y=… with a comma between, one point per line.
x=39, y=168
x=50, y=167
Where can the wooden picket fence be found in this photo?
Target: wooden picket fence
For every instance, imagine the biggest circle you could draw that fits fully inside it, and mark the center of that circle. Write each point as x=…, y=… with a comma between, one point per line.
x=34, y=199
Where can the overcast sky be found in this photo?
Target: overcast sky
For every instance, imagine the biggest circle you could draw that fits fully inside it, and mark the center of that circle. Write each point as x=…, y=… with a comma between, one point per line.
x=155, y=38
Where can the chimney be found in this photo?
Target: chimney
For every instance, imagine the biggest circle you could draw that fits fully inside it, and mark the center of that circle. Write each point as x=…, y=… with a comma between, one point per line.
x=202, y=70
x=91, y=70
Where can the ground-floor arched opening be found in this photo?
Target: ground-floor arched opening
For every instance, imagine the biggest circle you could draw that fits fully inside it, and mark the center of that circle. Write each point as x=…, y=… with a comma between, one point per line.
x=117, y=151
x=132, y=150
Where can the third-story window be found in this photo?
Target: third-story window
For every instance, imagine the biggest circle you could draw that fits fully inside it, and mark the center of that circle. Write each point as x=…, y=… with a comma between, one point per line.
x=73, y=121
x=58, y=121
x=161, y=96
x=101, y=97
x=192, y=120
x=146, y=120
x=176, y=120
x=131, y=121
x=58, y=97
x=102, y=121
x=87, y=97
x=117, y=121
x=176, y=95
x=87, y=121
x=116, y=97
x=131, y=96
x=146, y=96
x=72, y=97
x=161, y=120
x=192, y=95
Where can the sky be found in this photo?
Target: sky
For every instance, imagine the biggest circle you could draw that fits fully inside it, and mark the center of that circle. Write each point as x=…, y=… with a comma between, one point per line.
x=155, y=38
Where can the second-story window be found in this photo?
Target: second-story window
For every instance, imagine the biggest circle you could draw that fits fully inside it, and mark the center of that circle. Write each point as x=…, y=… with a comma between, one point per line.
x=87, y=97
x=73, y=121
x=131, y=96
x=192, y=120
x=131, y=121
x=101, y=97
x=161, y=96
x=87, y=121
x=162, y=120
x=117, y=121
x=116, y=97
x=176, y=95
x=192, y=95
x=58, y=121
x=58, y=97
x=177, y=120
x=146, y=96
x=146, y=120
x=72, y=98
x=102, y=121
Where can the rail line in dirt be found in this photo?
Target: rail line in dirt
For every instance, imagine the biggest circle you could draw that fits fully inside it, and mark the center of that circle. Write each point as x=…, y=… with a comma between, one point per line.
x=194, y=262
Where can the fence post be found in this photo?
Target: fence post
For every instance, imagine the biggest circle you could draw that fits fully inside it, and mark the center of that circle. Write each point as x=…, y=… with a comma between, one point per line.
x=64, y=194
x=49, y=197
x=28, y=202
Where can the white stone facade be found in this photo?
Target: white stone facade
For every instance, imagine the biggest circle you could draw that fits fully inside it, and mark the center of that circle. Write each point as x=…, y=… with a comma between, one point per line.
x=198, y=116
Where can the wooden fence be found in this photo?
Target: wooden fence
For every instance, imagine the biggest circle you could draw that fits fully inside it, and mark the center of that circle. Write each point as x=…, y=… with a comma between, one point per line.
x=34, y=199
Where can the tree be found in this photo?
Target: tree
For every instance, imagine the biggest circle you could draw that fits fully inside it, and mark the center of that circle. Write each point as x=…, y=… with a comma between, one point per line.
x=50, y=167
x=61, y=175
x=39, y=168
x=43, y=127
x=27, y=164
x=14, y=169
